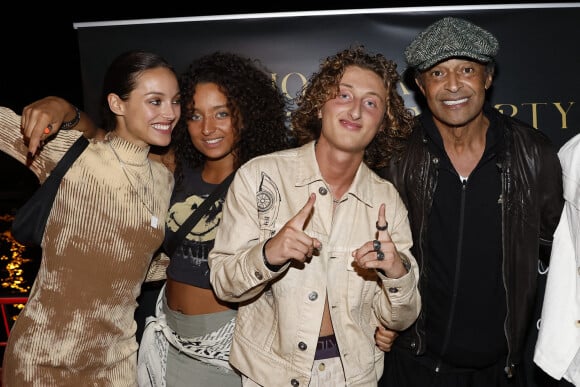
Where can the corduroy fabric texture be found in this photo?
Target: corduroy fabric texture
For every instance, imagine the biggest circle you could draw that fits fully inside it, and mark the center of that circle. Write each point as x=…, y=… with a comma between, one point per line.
x=447, y=38
x=78, y=326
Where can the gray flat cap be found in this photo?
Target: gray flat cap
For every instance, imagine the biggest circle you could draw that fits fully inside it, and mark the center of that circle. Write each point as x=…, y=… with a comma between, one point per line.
x=448, y=38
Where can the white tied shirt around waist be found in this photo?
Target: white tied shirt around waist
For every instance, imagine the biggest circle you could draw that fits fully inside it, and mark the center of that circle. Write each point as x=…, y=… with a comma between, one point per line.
x=212, y=348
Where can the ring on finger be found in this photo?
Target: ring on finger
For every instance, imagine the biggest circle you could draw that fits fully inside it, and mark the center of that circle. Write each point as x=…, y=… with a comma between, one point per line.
x=376, y=245
x=380, y=255
x=48, y=129
x=382, y=228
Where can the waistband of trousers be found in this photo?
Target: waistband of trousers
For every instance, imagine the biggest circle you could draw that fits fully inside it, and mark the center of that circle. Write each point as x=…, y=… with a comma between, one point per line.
x=326, y=348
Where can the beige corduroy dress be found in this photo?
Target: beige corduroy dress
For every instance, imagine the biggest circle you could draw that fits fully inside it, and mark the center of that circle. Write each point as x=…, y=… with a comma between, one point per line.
x=77, y=328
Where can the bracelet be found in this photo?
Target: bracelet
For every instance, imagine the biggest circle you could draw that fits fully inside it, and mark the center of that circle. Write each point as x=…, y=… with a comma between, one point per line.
x=270, y=267
x=72, y=123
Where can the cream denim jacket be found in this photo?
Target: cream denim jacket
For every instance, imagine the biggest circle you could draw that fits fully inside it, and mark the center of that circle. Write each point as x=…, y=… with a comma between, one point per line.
x=280, y=314
x=557, y=349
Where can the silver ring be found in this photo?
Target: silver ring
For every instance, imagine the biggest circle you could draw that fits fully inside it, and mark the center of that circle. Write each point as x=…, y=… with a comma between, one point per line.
x=376, y=245
x=380, y=255
x=382, y=228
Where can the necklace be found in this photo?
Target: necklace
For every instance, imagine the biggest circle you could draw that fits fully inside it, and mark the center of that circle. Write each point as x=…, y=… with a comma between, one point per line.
x=154, y=219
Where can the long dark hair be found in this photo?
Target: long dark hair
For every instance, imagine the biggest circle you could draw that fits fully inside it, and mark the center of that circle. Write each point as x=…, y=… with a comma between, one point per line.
x=121, y=78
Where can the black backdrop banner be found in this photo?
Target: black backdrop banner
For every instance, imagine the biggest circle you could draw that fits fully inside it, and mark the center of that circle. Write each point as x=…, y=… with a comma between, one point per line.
x=537, y=75
x=538, y=65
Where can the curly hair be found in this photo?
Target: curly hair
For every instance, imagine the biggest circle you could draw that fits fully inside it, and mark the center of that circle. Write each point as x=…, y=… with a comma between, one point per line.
x=252, y=96
x=324, y=85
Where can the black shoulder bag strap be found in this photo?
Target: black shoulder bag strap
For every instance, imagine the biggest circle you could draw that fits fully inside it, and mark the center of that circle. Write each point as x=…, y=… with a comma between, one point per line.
x=69, y=157
x=30, y=220
x=196, y=215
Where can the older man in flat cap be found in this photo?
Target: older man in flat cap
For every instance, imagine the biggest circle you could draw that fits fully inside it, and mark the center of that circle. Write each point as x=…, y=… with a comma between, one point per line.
x=484, y=194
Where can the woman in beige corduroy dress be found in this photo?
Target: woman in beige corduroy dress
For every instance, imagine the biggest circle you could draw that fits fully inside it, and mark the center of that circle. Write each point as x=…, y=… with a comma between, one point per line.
x=78, y=328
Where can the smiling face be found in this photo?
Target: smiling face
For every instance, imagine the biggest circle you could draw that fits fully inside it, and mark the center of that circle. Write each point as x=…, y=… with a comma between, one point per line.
x=152, y=109
x=352, y=118
x=455, y=91
x=211, y=123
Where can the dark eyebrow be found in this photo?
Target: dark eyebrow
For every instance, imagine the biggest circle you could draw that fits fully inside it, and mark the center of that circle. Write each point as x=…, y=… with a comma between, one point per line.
x=352, y=87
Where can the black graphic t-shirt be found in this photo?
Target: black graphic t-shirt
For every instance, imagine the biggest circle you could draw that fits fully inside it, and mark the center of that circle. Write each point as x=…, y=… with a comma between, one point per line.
x=189, y=262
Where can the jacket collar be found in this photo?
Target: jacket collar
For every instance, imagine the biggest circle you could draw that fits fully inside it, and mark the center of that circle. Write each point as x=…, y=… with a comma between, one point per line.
x=307, y=172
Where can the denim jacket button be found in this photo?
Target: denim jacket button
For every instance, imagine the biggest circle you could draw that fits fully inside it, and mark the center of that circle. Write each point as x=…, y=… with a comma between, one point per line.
x=322, y=190
x=258, y=275
x=313, y=296
x=302, y=345
x=294, y=383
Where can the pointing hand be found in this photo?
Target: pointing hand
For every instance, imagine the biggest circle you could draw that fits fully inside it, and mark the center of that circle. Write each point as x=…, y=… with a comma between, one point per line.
x=291, y=242
x=380, y=253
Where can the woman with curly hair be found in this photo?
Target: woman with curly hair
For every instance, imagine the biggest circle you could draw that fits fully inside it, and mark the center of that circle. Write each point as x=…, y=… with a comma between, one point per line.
x=232, y=111
x=314, y=245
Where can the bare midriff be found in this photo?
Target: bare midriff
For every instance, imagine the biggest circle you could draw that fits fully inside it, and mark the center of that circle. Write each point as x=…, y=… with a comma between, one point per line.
x=191, y=300
x=326, y=328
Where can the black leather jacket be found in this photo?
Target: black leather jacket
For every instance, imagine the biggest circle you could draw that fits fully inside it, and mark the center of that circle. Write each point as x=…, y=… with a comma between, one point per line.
x=531, y=180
